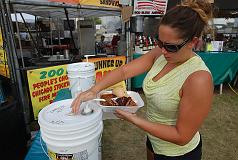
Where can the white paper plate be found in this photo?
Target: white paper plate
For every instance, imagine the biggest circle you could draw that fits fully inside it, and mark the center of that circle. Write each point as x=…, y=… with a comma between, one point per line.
x=132, y=109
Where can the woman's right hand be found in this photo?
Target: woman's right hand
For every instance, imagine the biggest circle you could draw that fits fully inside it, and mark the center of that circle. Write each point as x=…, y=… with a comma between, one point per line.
x=82, y=97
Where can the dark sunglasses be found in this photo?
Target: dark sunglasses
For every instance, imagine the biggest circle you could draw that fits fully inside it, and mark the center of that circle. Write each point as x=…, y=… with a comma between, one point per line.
x=172, y=47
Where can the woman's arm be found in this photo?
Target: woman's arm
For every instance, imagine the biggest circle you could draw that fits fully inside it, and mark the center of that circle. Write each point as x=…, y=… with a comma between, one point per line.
x=133, y=68
x=196, y=99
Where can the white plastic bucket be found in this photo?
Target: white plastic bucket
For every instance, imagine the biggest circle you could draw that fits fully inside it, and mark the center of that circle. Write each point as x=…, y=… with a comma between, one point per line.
x=81, y=77
x=73, y=136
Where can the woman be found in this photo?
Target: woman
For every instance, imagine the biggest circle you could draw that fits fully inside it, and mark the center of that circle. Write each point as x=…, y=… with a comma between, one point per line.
x=178, y=86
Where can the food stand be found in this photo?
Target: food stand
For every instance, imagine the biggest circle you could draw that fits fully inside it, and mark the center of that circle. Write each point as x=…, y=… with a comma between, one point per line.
x=222, y=62
x=51, y=9
x=20, y=73
x=223, y=67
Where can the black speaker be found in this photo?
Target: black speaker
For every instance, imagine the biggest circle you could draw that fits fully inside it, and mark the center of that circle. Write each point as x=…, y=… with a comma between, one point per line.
x=137, y=24
x=71, y=24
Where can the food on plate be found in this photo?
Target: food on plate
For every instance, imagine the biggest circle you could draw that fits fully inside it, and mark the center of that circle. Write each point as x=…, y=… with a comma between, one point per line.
x=125, y=101
x=112, y=100
x=107, y=96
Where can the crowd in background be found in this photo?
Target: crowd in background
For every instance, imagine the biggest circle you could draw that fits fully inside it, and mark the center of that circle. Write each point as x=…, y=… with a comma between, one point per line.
x=229, y=43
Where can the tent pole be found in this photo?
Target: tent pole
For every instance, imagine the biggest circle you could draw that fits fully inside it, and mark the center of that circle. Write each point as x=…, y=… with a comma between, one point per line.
x=80, y=39
x=19, y=40
x=58, y=23
x=19, y=83
x=70, y=29
x=7, y=41
x=38, y=33
x=128, y=49
x=34, y=43
x=51, y=38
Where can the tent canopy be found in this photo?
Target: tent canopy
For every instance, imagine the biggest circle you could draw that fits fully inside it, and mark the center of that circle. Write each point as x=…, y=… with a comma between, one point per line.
x=227, y=8
x=47, y=8
x=223, y=8
x=44, y=8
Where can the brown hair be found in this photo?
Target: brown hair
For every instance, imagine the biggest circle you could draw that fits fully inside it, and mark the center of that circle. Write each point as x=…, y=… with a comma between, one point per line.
x=190, y=18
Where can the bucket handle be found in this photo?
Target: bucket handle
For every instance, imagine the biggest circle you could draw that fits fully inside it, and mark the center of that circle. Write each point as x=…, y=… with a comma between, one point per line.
x=44, y=148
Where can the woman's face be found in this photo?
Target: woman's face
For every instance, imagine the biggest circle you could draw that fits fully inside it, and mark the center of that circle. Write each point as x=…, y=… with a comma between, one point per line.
x=168, y=35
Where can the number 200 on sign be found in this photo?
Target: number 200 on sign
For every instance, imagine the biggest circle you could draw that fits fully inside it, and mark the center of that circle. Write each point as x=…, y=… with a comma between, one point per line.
x=51, y=73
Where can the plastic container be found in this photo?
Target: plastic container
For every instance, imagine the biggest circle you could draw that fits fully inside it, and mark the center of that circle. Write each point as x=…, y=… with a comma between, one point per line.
x=132, y=109
x=81, y=77
x=72, y=136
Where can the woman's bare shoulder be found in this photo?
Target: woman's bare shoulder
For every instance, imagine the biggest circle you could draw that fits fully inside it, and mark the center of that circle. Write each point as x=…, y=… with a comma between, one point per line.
x=201, y=76
x=199, y=81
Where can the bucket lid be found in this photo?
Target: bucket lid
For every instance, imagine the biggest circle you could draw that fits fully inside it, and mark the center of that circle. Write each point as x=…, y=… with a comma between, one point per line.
x=81, y=66
x=56, y=116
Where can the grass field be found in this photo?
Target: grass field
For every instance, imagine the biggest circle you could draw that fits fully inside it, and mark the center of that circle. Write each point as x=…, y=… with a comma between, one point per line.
x=123, y=141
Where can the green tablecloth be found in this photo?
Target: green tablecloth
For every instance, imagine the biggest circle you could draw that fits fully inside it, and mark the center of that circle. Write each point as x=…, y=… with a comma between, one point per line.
x=223, y=66
x=63, y=94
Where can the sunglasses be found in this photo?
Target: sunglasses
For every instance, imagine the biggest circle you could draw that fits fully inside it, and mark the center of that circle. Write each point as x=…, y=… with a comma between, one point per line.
x=172, y=47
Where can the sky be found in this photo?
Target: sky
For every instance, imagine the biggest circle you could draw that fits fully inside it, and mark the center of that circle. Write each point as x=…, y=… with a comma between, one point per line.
x=27, y=17
x=223, y=20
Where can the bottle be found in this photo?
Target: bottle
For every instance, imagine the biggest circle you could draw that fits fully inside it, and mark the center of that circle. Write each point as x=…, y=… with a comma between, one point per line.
x=137, y=41
x=145, y=45
x=141, y=42
x=150, y=43
x=137, y=44
x=155, y=44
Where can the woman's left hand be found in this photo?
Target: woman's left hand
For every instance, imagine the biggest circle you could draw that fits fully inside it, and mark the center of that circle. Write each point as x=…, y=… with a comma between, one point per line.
x=125, y=115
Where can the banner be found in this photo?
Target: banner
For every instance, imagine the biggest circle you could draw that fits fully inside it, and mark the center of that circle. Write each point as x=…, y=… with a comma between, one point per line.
x=99, y=3
x=4, y=70
x=44, y=83
x=107, y=64
x=150, y=7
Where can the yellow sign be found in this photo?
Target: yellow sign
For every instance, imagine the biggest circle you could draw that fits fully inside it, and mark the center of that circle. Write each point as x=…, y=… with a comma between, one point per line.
x=4, y=71
x=44, y=84
x=101, y=3
x=107, y=64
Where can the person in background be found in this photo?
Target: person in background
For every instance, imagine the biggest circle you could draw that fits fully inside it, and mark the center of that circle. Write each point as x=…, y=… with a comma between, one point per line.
x=114, y=43
x=209, y=44
x=200, y=45
x=178, y=86
x=102, y=45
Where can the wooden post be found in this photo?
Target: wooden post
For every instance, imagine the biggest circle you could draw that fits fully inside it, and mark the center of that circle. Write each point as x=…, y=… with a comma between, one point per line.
x=221, y=86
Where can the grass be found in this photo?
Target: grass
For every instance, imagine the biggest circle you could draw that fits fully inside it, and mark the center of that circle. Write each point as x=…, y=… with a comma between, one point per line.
x=221, y=128
x=124, y=141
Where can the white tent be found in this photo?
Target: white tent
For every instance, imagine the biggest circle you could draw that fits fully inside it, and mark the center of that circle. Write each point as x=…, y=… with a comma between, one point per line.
x=44, y=8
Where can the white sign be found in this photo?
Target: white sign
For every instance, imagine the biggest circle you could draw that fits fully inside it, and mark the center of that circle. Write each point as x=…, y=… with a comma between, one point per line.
x=150, y=7
x=217, y=45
